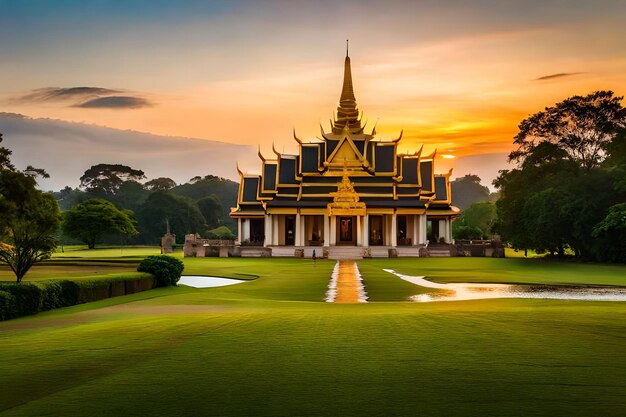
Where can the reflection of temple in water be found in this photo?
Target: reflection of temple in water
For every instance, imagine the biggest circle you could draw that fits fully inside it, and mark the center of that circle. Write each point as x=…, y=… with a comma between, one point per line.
x=345, y=189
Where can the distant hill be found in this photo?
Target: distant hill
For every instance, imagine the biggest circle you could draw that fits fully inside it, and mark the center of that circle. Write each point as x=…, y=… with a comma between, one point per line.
x=67, y=149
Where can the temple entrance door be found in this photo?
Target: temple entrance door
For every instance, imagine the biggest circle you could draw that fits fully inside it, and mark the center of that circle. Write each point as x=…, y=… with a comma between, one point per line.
x=290, y=230
x=346, y=231
x=376, y=232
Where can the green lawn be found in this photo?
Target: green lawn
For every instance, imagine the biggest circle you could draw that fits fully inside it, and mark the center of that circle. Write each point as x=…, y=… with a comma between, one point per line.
x=115, y=252
x=77, y=262
x=270, y=347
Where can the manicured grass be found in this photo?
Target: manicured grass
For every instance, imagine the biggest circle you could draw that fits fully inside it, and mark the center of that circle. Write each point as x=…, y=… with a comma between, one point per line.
x=537, y=271
x=78, y=262
x=106, y=252
x=73, y=271
x=270, y=347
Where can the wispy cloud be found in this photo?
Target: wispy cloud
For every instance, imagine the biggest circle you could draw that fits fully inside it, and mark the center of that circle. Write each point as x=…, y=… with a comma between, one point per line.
x=65, y=94
x=85, y=97
x=115, y=102
x=557, y=75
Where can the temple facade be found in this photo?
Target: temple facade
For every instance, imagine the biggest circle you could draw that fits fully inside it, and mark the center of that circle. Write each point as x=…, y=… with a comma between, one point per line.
x=344, y=193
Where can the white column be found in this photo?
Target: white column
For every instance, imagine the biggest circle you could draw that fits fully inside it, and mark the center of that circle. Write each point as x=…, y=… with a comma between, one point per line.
x=268, y=231
x=449, y=230
x=246, y=229
x=326, y=230
x=274, y=229
x=423, y=229
x=303, y=231
x=442, y=230
x=333, y=230
x=394, y=230
x=297, y=231
x=238, y=242
x=359, y=231
x=416, y=228
x=366, y=230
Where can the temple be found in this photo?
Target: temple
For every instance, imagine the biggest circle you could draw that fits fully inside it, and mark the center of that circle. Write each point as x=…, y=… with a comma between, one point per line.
x=346, y=192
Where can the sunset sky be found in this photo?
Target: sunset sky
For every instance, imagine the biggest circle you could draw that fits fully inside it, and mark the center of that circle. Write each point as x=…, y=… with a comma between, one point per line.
x=456, y=75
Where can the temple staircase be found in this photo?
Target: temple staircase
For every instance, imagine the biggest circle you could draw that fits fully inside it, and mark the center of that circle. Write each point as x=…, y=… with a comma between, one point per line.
x=439, y=250
x=345, y=252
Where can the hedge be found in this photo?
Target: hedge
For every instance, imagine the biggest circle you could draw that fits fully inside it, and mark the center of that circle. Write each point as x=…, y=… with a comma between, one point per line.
x=27, y=298
x=165, y=269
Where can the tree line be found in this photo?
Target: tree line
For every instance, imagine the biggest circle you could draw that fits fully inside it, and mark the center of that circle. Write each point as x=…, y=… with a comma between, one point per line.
x=113, y=203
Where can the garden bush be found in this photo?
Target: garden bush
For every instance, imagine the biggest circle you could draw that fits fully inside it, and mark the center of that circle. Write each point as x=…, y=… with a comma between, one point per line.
x=23, y=299
x=27, y=298
x=165, y=269
x=7, y=305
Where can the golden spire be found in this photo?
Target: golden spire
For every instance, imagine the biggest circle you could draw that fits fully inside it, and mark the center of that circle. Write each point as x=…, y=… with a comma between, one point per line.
x=347, y=112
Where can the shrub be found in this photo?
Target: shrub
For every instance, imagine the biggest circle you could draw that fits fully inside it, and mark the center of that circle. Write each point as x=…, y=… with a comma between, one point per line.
x=27, y=297
x=221, y=232
x=7, y=306
x=22, y=299
x=165, y=269
x=51, y=295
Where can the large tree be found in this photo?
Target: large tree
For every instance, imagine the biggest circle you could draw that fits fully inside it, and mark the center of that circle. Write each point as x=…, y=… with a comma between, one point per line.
x=582, y=126
x=571, y=167
x=106, y=179
x=211, y=208
x=182, y=213
x=476, y=222
x=28, y=218
x=93, y=218
x=160, y=184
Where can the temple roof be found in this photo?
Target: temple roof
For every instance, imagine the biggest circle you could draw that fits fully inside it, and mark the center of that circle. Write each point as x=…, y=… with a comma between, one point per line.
x=379, y=175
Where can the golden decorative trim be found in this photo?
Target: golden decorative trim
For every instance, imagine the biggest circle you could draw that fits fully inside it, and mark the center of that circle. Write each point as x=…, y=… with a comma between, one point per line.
x=346, y=199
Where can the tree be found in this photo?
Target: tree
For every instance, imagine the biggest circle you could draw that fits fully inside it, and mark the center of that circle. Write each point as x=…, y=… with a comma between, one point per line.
x=571, y=169
x=581, y=126
x=476, y=222
x=28, y=218
x=211, y=209
x=221, y=232
x=68, y=197
x=5, y=157
x=225, y=190
x=130, y=195
x=467, y=190
x=160, y=184
x=93, y=218
x=106, y=179
x=183, y=215
x=611, y=232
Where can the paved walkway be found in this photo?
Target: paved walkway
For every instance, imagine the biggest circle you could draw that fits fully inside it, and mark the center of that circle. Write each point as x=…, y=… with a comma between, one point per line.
x=346, y=285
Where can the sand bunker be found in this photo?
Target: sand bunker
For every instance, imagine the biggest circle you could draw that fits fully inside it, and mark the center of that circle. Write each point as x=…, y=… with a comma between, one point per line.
x=470, y=291
x=197, y=281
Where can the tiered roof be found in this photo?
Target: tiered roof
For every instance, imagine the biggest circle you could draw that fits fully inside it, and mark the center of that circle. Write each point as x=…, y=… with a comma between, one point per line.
x=381, y=177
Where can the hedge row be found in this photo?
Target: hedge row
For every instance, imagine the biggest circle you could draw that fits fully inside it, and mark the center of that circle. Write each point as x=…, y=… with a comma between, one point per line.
x=23, y=299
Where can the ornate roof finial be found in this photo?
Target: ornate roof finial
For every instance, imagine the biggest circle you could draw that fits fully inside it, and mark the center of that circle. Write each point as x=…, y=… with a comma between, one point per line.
x=347, y=112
